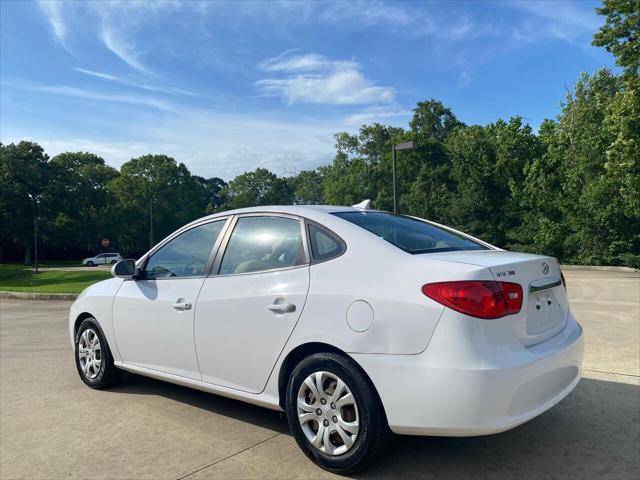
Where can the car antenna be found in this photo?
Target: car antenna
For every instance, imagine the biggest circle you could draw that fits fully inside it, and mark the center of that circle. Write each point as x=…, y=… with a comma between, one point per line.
x=364, y=205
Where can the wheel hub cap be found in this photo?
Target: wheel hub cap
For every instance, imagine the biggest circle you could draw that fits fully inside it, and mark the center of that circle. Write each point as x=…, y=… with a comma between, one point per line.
x=328, y=413
x=89, y=354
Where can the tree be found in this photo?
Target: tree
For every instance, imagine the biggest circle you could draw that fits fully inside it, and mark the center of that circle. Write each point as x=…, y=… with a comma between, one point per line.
x=152, y=187
x=620, y=34
x=210, y=190
x=433, y=121
x=24, y=173
x=260, y=187
x=77, y=198
x=307, y=187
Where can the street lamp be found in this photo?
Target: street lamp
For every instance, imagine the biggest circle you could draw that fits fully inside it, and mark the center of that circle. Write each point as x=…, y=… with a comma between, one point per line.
x=396, y=148
x=151, y=223
x=36, y=201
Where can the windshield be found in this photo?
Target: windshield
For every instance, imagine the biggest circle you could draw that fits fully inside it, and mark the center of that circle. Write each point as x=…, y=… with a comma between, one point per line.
x=410, y=234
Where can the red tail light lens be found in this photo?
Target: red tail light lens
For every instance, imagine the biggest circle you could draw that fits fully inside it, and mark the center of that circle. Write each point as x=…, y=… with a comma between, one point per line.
x=481, y=299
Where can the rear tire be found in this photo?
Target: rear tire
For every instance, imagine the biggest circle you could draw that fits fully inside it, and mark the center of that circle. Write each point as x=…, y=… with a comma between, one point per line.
x=349, y=409
x=94, y=361
x=113, y=262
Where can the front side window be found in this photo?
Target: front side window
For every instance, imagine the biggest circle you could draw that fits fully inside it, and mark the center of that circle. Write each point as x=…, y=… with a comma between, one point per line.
x=263, y=243
x=187, y=255
x=409, y=234
x=323, y=245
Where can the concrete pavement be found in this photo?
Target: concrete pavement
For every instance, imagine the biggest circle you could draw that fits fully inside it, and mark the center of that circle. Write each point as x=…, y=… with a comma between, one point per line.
x=52, y=426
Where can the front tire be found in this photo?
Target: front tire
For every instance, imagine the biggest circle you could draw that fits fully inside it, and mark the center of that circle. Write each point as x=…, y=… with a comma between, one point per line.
x=93, y=357
x=90, y=264
x=335, y=414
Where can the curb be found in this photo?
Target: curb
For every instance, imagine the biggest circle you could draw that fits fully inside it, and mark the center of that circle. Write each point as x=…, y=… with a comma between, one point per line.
x=38, y=296
x=598, y=268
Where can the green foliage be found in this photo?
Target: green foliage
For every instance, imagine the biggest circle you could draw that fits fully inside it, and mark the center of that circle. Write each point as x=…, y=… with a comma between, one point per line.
x=24, y=171
x=620, y=34
x=260, y=187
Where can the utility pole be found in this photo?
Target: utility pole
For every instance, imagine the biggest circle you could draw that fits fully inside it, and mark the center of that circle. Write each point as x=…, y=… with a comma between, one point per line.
x=395, y=148
x=35, y=240
x=151, y=224
x=395, y=181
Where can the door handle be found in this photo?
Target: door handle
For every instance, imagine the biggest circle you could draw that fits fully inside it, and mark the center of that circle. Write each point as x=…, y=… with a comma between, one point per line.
x=181, y=306
x=282, y=307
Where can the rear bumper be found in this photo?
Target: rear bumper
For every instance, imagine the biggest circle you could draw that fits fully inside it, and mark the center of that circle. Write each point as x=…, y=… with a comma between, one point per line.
x=475, y=379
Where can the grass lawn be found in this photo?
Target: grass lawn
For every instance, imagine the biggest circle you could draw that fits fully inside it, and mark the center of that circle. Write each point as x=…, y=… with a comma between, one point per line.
x=17, y=278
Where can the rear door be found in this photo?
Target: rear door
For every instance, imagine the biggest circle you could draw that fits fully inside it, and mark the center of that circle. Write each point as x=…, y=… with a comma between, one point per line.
x=250, y=305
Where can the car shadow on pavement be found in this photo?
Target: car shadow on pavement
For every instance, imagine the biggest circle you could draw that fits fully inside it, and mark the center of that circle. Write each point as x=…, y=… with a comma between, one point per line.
x=244, y=412
x=594, y=432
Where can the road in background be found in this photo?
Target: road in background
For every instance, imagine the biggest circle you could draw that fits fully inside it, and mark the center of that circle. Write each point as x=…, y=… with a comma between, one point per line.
x=52, y=426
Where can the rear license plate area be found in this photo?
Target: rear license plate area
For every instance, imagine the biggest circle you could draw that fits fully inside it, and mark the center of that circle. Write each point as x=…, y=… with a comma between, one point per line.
x=544, y=312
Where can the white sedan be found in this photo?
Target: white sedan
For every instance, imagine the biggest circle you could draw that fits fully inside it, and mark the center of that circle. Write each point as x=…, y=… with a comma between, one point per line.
x=355, y=322
x=102, y=259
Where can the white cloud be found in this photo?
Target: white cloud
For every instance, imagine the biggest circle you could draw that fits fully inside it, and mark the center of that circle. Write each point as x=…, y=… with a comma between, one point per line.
x=126, y=51
x=304, y=63
x=377, y=114
x=209, y=144
x=53, y=13
x=104, y=76
x=101, y=96
x=313, y=78
x=124, y=81
x=564, y=20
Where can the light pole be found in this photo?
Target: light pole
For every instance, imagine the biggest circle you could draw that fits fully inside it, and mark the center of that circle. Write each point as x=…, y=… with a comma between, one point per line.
x=396, y=148
x=36, y=201
x=151, y=223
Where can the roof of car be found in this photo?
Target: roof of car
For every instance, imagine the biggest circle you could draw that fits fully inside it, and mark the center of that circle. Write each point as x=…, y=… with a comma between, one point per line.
x=291, y=209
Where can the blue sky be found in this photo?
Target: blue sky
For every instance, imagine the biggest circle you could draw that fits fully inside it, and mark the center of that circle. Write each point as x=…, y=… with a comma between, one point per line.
x=228, y=87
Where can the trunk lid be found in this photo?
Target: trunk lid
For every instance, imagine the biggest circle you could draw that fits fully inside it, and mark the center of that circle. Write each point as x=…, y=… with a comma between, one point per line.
x=544, y=306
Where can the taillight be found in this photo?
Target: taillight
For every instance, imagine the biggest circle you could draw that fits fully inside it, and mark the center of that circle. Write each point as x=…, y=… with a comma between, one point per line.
x=481, y=299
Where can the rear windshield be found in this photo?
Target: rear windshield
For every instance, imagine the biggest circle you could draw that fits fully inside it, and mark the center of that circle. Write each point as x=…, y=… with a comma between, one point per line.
x=409, y=234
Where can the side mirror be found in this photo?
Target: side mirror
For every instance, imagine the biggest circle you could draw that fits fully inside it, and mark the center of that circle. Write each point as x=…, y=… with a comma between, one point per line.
x=125, y=269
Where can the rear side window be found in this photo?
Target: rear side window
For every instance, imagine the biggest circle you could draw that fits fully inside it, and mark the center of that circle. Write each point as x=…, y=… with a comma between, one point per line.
x=409, y=234
x=263, y=243
x=323, y=245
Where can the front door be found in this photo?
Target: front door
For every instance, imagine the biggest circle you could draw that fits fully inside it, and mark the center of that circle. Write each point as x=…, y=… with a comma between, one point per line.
x=153, y=316
x=246, y=313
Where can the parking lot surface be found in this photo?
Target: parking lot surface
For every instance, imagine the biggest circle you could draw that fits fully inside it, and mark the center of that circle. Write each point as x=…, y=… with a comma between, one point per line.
x=53, y=427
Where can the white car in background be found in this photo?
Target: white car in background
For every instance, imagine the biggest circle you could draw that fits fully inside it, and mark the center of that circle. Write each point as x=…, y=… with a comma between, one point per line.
x=355, y=322
x=102, y=259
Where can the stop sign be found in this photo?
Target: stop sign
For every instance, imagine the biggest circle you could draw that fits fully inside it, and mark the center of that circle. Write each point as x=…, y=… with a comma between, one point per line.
x=105, y=242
